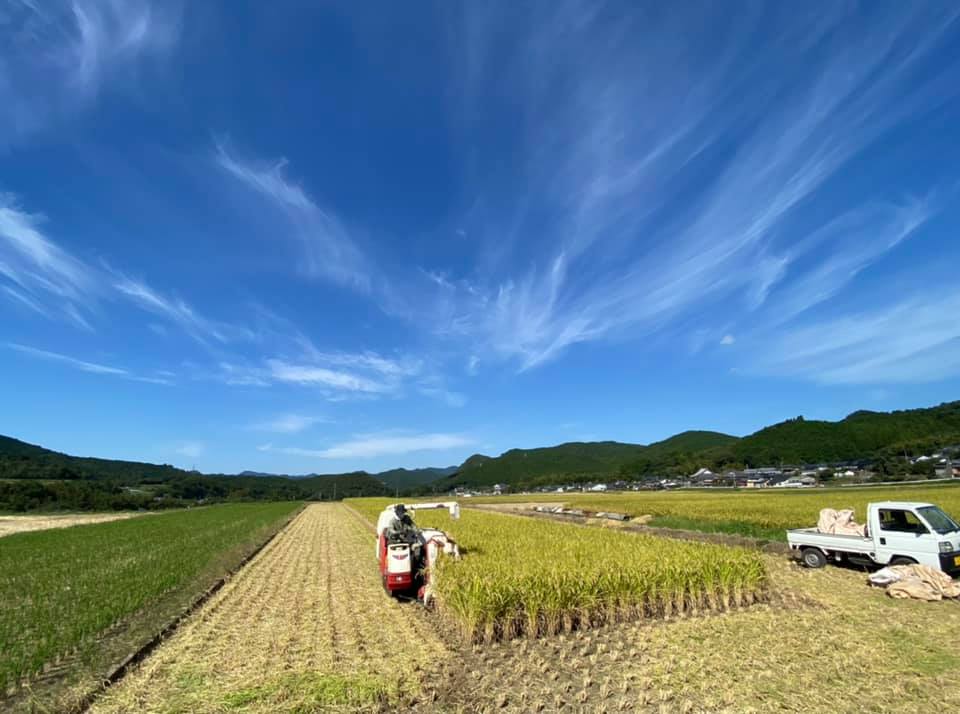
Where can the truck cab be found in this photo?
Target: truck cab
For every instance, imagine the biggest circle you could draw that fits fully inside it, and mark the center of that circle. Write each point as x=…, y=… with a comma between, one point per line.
x=897, y=533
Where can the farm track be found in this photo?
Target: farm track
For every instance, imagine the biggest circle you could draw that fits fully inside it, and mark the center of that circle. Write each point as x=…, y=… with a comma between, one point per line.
x=305, y=625
x=10, y=525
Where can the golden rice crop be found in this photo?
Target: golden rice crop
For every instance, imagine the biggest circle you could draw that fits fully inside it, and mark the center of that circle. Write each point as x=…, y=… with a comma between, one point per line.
x=761, y=512
x=521, y=575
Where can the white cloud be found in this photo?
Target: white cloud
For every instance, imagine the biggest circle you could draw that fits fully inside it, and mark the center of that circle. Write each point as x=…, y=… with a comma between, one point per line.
x=435, y=387
x=57, y=55
x=659, y=180
x=473, y=365
x=328, y=248
x=38, y=273
x=915, y=339
x=84, y=366
x=76, y=363
x=306, y=374
x=289, y=423
x=179, y=312
x=337, y=375
x=843, y=248
x=24, y=300
x=728, y=340
x=191, y=449
x=448, y=397
x=373, y=445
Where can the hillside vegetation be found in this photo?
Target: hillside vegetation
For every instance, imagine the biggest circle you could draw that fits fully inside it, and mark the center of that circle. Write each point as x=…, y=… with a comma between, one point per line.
x=33, y=478
x=863, y=435
x=579, y=460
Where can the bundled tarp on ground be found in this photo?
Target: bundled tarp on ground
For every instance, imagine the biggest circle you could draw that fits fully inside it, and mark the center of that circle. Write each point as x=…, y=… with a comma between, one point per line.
x=918, y=582
x=840, y=523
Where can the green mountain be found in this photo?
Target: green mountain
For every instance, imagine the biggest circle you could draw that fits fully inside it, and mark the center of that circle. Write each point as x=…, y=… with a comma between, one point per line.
x=577, y=460
x=20, y=460
x=32, y=477
x=406, y=478
x=862, y=435
x=394, y=478
x=878, y=437
x=547, y=464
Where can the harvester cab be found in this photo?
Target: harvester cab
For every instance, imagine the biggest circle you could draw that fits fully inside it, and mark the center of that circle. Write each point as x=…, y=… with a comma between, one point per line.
x=407, y=553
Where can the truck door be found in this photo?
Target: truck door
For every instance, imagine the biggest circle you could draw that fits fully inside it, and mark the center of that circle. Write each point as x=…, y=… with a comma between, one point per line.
x=902, y=533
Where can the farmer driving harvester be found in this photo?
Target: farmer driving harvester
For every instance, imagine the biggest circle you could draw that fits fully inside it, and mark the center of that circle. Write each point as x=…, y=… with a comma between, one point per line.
x=408, y=553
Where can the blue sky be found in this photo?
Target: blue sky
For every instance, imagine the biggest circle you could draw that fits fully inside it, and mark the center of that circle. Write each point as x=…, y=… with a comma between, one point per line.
x=313, y=237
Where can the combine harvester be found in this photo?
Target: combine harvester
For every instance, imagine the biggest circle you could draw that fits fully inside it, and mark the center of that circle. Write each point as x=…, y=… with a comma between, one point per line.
x=408, y=553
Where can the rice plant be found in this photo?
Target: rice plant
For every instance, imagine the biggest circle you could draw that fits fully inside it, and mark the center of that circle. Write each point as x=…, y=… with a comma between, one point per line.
x=761, y=513
x=524, y=576
x=61, y=589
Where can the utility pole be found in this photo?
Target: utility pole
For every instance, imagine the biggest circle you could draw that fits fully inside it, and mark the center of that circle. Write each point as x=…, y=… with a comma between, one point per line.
x=334, y=490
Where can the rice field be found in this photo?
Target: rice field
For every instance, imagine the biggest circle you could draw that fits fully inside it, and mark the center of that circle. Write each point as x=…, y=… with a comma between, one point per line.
x=522, y=576
x=764, y=513
x=62, y=589
x=304, y=627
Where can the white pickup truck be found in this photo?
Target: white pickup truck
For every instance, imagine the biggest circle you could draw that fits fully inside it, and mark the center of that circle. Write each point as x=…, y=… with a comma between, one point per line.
x=898, y=533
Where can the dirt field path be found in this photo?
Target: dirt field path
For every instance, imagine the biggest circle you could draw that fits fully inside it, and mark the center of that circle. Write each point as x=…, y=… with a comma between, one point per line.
x=40, y=522
x=305, y=626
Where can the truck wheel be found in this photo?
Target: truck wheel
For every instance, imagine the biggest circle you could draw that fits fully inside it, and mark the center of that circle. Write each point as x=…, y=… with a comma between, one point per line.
x=813, y=558
x=902, y=560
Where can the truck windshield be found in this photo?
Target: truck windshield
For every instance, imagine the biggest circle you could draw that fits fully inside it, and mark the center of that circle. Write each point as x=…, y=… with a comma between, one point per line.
x=938, y=520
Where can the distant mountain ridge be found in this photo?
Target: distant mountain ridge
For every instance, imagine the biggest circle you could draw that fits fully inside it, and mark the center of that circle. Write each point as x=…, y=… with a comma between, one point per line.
x=553, y=463
x=34, y=477
x=21, y=460
x=394, y=478
x=861, y=435
x=868, y=435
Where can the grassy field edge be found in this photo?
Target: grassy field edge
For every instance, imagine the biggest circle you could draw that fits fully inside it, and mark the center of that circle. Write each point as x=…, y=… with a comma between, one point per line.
x=71, y=684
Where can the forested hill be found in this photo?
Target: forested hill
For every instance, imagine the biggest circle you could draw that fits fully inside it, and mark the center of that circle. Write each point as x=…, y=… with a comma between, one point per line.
x=407, y=478
x=32, y=477
x=579, y=459
x=20, y=460
x=863, y=435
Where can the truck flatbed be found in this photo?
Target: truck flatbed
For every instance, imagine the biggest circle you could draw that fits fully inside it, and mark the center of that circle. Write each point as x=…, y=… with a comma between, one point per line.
x=800, y=537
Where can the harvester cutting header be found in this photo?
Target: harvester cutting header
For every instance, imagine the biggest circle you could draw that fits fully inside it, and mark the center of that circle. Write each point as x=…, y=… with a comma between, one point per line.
x=408, y=553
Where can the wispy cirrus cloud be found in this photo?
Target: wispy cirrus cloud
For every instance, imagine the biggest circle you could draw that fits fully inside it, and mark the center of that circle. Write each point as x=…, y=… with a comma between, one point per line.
x=57, y=55
x=314, y=375
x=289, y=423
x=652, y=186
x=178, y=312
x=38, y=273
x=329, y=250
x=374, y=445
x=85, y=366
x=912, y=340
x=191, y=449
x=338, y=375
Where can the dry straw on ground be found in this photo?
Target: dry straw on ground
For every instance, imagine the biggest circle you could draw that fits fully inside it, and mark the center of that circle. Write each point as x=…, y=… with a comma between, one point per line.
x=304, y=627
x=40, y=522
